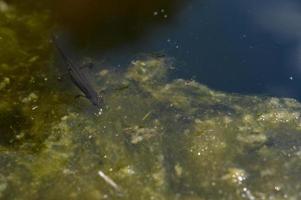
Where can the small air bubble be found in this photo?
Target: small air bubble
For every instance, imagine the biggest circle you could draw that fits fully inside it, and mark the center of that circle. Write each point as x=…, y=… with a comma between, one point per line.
x=99, y=112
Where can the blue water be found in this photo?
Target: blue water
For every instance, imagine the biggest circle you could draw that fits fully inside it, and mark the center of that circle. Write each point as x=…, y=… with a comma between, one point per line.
x=241, y=46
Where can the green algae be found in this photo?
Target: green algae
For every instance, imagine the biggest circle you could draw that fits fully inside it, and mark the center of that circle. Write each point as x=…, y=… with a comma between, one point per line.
x=26, y=80
x=155, y=147
x=156, y=138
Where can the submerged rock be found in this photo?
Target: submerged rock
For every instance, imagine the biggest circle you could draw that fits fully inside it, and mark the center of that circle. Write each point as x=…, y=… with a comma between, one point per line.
x=161, y=139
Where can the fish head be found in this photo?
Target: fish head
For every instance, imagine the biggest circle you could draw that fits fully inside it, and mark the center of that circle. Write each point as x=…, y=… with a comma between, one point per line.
x=97, y=101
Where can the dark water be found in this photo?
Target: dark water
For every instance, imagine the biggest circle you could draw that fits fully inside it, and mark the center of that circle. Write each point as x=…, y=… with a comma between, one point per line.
x=249, y=47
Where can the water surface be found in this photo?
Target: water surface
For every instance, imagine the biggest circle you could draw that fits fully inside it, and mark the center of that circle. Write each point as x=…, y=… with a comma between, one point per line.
x=234, y=46
x=159, y=137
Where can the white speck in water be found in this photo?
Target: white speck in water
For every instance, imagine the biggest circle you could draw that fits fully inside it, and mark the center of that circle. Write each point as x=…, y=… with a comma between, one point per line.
x=165, y=16
x=155, y=13
x=291, y=78
x=162, y=10
x=248, y=194
x=130, y=171
x=277, y=188
x=177, y=46
x=99, y=112
x=168, y=40
x=34, y=108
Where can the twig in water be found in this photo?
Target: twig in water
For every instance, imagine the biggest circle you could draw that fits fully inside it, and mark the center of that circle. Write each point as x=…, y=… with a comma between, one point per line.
x=147, y=115
x=109, y=181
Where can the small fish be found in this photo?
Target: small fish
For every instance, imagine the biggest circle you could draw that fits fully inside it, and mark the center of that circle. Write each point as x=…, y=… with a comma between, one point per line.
x=79, y=79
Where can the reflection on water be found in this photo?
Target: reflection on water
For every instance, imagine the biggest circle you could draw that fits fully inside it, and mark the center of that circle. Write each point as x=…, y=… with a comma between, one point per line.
x=235, y=46
x=158, y=137
x=110, y=23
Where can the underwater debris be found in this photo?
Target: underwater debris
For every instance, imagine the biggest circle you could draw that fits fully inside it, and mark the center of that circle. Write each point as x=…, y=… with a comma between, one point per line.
x=109, y=181
x=138, y=134
x=146, y=115
x=32, y=97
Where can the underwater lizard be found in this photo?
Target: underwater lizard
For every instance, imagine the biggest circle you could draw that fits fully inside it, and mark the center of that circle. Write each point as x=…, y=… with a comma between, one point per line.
x=79, y=79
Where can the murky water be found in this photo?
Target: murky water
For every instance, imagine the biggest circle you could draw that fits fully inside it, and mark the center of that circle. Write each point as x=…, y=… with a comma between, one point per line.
x=161, y=135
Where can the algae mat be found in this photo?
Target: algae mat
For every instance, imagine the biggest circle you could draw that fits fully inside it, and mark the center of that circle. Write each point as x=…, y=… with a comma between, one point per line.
x=157, y=138
x=161, y=139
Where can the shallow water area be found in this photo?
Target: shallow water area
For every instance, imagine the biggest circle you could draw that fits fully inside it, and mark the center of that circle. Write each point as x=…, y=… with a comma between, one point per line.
x=156, y=137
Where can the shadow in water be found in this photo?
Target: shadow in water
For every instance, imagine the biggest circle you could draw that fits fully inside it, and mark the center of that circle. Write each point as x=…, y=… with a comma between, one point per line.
x=105, y=24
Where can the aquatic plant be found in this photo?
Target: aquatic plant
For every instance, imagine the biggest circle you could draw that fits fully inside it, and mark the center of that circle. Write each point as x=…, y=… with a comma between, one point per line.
x=157, y=138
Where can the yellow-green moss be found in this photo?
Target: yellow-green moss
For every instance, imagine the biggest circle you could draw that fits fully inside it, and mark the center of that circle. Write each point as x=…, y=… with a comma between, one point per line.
x=156, y=138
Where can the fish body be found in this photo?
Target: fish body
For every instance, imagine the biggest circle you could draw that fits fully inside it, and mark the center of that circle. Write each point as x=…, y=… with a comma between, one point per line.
x=80, y=80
